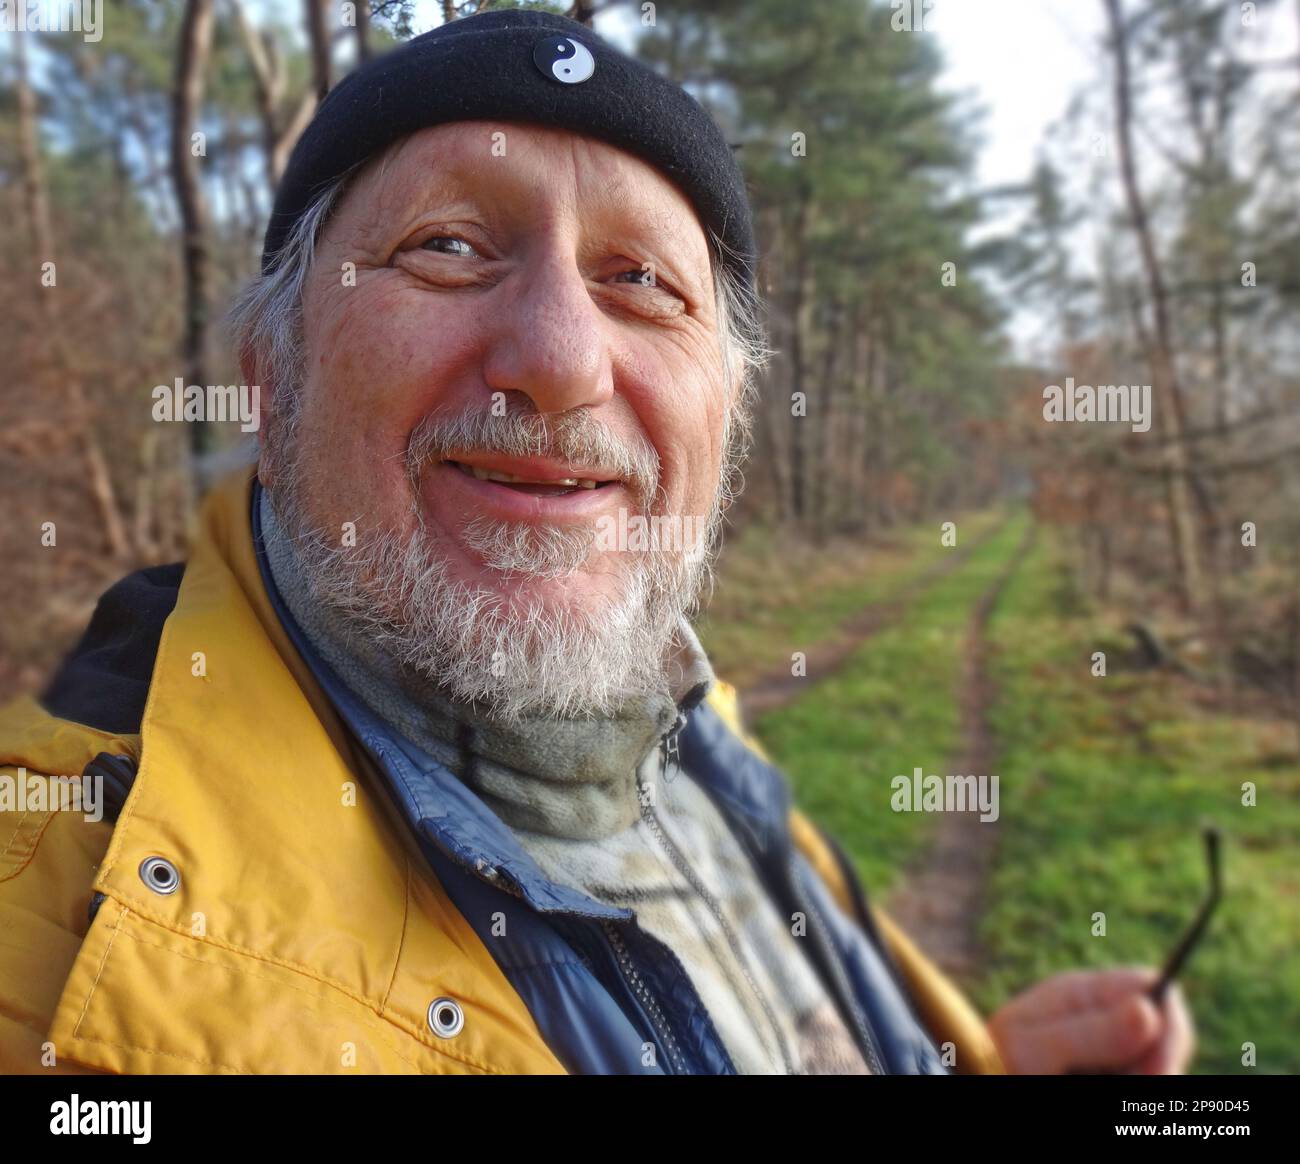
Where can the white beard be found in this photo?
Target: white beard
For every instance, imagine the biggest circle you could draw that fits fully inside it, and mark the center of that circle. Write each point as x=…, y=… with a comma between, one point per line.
x=516, y=655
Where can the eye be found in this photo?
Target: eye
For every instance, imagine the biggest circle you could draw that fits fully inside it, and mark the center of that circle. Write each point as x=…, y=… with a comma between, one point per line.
x=454, y=245
x=647, y=277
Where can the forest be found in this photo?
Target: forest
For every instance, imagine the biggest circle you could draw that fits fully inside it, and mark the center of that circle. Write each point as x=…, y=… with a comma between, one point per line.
x=1091, y=375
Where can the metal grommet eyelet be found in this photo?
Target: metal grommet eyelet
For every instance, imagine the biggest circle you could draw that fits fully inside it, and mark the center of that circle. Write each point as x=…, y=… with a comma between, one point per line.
x=160, y=875
x=446, y=1018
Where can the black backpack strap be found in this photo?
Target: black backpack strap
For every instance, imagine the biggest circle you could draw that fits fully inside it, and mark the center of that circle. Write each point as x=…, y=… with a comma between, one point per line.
x=115, y=774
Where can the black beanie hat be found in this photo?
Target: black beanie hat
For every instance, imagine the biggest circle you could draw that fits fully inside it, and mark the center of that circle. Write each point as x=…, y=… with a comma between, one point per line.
x=520, y=65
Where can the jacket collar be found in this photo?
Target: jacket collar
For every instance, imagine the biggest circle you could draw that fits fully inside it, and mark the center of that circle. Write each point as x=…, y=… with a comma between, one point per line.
x=206, y=763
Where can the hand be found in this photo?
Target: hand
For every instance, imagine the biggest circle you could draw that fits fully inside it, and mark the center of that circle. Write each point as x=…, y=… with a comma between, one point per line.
x=1094, y=1021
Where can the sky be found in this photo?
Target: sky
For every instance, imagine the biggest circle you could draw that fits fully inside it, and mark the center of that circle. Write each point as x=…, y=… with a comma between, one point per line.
x=1023, y=62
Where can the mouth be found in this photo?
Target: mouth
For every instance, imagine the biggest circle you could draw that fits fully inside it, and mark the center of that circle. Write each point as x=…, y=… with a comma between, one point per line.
x=537, y=478
x=526, y=489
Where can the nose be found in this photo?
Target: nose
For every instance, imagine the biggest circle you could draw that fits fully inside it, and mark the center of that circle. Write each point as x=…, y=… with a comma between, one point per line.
x=549, y=341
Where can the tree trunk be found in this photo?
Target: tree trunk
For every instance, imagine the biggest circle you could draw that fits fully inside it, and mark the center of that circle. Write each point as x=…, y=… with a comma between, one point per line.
x=363, y=31
x=35, y=194
x=774, y=404
x=883, y=461
x=824, y=474
x=857, y=482
x=582, y=11
x=187, y=97
x=801, y=304
x=318, y=36
x=1163, y=368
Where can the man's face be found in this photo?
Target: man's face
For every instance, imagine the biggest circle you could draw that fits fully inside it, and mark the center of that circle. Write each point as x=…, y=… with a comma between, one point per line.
x=501, y=324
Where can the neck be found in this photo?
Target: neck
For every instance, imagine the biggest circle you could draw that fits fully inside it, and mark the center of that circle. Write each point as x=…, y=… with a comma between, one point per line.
x=574, y=777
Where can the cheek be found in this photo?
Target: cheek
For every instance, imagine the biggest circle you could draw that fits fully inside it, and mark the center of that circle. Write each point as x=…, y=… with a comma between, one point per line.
x=677, y=395
x=383, y=359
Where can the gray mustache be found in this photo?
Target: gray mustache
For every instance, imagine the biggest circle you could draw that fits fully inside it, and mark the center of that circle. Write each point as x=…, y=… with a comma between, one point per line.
x=574, y=436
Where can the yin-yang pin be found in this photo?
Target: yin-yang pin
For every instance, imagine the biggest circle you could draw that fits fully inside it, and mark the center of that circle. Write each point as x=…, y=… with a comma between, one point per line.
x=564, y=59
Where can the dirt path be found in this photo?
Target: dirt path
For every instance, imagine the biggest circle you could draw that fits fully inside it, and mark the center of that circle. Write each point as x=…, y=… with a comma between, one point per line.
x=778, y=687
x=941, y=898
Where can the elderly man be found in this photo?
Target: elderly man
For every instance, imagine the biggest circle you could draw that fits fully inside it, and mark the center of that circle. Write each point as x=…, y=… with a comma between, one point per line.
x=418, y=766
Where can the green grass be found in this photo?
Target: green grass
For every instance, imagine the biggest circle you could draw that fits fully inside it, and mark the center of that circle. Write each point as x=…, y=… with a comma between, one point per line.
x=892, y=708
x=773, y=599
x=1105, y=783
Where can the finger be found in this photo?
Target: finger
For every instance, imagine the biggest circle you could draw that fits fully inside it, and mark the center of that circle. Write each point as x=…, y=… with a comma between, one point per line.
x=1173, y=1050
x=1107, y=1038
x=1077, y=991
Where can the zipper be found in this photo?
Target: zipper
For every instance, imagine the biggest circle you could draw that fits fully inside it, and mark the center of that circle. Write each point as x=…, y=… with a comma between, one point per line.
x=651, y=1008
x=654, y=1015
x=631, y=979
x=864, y=919
x=116, y=775
x=859, y=1022
x=669, y=754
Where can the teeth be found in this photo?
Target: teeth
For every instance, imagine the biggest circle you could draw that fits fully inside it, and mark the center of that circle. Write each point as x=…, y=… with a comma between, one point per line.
x=511, y=479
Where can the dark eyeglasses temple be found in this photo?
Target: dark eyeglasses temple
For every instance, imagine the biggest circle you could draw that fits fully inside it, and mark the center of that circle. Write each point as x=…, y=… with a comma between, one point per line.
x=1184, y=949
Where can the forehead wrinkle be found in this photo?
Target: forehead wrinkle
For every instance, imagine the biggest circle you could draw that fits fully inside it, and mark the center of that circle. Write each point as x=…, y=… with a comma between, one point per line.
x=407, y=176
x=619, y=184
x=424, y=176
x=665, y=218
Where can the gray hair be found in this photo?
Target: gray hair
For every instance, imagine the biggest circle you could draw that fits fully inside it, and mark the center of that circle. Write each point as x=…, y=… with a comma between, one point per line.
x=265, y=323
